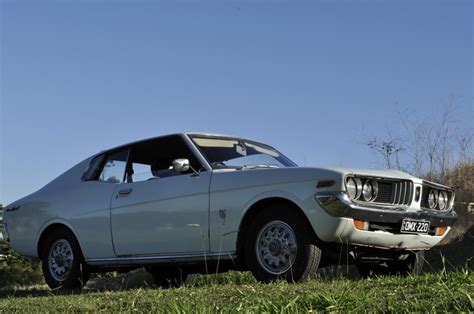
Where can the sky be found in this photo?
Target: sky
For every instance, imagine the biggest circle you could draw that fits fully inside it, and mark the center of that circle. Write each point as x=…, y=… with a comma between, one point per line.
x=311, y=78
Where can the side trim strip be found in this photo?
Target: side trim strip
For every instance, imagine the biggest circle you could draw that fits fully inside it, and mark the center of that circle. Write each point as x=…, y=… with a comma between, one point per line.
x=155, y=259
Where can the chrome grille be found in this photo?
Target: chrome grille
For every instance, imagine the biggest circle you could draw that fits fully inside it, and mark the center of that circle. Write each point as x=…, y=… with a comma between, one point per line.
x=402, y=192
x=385, y=192
x=391, y=192
x=394, y=192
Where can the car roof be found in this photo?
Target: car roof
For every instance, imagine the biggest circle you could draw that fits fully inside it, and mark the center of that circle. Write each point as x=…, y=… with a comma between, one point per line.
x=174, y=134
x=220, y=135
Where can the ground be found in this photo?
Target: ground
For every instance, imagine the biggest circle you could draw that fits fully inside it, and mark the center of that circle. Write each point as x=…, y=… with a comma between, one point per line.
x=230, y=292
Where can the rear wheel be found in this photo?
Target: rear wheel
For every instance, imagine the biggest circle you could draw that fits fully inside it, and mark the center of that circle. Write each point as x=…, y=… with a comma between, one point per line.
x=410, y=263
x=62, y=261
x=279, y=245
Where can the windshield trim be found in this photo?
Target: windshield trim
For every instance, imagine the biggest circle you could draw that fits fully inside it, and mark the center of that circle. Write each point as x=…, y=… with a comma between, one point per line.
x=239, y=139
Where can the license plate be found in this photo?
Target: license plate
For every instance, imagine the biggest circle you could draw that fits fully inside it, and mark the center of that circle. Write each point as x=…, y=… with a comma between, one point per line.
x=415, y=226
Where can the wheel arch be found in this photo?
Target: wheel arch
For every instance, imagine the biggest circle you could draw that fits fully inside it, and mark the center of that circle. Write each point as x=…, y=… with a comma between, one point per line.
x=256, y=208
x=48, y=229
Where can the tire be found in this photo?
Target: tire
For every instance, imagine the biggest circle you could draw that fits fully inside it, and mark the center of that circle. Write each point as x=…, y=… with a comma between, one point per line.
x=62, y=261
x=411, y=265
x=278, y=245
x=171, y=279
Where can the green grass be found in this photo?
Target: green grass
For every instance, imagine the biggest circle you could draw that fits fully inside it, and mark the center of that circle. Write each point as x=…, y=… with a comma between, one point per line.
x=234, y=292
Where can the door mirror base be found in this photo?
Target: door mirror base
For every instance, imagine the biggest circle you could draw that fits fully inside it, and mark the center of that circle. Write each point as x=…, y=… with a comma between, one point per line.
x=182, y=165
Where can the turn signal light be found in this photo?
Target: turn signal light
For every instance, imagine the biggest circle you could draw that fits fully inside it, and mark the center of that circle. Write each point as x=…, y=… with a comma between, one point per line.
x=440, y=231
x=361, y=224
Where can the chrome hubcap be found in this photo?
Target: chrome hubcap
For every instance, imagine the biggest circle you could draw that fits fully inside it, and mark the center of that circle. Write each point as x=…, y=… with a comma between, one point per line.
x=60, y=260
x=276, y=247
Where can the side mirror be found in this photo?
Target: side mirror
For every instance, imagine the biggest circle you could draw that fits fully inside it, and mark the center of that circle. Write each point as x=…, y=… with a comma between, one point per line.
x=181, y=165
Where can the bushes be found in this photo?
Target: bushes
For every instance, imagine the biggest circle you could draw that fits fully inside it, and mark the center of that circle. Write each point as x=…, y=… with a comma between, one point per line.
x=16, y=270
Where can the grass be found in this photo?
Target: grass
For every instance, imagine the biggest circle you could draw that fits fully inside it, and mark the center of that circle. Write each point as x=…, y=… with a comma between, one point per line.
x=233, y=292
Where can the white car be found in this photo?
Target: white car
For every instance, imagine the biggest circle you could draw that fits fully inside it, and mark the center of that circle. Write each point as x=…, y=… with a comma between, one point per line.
x=195, y=203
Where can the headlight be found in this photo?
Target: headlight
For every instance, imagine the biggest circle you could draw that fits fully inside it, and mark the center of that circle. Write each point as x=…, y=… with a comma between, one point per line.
x=354, y=188
x=369, y=190
x=351, y=187
x=442, y=200
x=432, y=199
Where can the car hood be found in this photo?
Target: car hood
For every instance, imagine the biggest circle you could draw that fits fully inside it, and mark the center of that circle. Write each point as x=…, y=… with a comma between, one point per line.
x=390, y=173
x=327, y=172
x=230, y=178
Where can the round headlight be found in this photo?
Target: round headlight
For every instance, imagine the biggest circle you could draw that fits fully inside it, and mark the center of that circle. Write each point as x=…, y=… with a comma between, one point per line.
x=442, y=200
x=432, y=199
x=351, y=187
x=367, y=191
x=370, y=190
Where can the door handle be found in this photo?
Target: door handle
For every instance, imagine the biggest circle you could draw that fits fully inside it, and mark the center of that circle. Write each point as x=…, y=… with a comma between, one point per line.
x=125, y=192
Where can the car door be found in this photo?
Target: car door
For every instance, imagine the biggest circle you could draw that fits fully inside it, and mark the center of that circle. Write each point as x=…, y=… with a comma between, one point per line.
x=157, y=211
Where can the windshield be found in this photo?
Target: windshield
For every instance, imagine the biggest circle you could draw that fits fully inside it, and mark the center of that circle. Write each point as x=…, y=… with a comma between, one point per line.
x=239, y=154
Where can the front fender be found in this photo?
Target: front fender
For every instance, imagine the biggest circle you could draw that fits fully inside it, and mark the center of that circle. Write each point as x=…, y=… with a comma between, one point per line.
x=326, y=227
x=272, y=194
x=236, y=203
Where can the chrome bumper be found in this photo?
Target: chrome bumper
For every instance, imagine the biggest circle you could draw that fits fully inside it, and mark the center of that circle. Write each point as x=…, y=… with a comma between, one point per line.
x=339, y=205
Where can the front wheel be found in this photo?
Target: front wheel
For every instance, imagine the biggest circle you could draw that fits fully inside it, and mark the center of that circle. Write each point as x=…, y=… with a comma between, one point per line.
x=279, y=246
x=62, y=261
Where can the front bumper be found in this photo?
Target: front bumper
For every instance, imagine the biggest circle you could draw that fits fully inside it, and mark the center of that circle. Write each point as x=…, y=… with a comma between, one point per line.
x=384, y=223
x=339, y=205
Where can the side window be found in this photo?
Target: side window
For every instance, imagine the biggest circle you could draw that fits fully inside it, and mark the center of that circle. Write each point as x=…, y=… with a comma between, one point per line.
x=114, y=167
x=153, y=159
x=141, y=172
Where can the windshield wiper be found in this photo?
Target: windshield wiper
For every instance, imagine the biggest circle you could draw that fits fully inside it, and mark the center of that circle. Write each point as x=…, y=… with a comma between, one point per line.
x=247, y=167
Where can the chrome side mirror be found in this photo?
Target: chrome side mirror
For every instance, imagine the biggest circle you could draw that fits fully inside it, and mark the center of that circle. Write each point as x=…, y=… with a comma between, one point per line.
x=181, y=165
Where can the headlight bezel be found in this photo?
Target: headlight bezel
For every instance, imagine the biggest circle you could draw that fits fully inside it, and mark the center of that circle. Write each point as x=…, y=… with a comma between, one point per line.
x=437, y=189
x=360, y=182
x=373, y=192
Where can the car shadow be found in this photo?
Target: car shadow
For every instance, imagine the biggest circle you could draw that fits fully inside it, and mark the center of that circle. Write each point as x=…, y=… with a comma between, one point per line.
x=99, y=283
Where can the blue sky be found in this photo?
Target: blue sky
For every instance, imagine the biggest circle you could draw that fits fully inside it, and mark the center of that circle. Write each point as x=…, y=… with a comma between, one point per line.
x=310, y=78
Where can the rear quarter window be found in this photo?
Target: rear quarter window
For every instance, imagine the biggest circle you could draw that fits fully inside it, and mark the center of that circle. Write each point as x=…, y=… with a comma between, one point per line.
x=92, y=170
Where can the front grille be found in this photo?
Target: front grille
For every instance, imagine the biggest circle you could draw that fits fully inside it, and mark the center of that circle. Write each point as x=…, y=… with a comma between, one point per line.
x=402, y=192
x=385, y=192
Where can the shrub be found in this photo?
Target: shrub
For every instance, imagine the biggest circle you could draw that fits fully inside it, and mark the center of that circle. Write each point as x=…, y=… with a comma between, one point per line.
x=16, y=270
